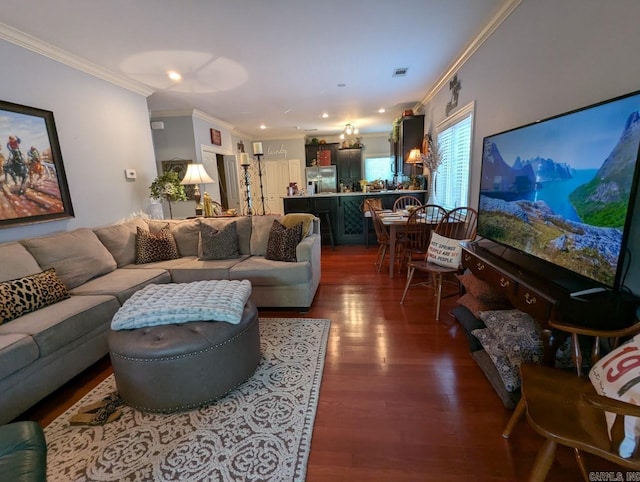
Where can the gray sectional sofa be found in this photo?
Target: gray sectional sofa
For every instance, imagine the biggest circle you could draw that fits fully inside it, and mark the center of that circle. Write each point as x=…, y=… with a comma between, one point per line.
x=43, y=349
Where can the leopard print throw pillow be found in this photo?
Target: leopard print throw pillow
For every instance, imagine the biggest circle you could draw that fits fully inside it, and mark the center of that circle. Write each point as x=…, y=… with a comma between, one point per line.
x=221, y=244
x=24, y=295
x=283, y=242
x=160, y=246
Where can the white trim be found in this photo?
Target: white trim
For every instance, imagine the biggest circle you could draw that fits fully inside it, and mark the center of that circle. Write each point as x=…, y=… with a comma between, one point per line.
x=466, y=111
x=475, y=44
x=38, y=46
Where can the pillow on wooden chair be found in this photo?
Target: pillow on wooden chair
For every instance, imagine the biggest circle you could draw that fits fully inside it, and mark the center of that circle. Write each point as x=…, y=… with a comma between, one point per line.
x=444, y=251
x=617, y=376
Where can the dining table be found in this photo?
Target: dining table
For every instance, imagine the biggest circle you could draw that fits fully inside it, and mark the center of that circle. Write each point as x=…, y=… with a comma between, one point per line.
x=396, y=221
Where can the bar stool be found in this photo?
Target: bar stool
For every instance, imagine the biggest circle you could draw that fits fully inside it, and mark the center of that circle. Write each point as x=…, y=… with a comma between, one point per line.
x=325, y=224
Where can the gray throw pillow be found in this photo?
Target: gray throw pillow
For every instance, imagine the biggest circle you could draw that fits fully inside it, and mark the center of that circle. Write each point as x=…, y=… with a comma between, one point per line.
x=219, y=244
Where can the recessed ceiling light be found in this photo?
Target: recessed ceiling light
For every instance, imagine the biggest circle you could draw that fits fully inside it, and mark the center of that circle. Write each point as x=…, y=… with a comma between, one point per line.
x=262, y=126
x=325, y=115
x=173, y=75
x=342, y=85
x=381, y=111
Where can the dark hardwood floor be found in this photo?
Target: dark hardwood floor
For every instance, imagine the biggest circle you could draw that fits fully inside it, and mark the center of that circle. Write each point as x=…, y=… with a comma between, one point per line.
x=401, y=399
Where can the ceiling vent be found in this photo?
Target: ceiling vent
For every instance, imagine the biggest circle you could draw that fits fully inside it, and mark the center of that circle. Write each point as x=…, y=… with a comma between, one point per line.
x=400, y=72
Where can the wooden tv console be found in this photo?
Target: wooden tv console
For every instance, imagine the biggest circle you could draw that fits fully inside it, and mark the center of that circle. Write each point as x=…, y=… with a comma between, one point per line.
x=545, y=293
x=526, y=291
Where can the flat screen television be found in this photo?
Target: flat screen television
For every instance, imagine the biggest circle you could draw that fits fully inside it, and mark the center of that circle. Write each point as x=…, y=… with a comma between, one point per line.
x=562, y=190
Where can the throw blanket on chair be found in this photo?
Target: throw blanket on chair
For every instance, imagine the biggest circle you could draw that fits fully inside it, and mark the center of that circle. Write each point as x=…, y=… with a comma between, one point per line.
x=215, y=300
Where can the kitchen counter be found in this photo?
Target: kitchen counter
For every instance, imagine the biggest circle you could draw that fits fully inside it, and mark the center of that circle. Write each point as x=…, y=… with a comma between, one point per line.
x=344, y=209
x=399, y=192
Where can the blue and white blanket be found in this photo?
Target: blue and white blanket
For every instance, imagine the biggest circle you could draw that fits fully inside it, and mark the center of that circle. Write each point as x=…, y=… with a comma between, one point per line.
x=219, y=300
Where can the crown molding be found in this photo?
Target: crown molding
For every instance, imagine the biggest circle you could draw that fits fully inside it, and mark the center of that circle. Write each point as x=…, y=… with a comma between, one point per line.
x=213, y=120
x=475, y=44
x=36, y=45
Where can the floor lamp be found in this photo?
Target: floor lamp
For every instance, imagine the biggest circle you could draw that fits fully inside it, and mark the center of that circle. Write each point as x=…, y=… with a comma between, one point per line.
x=196, y=174
x=257, y=151
x=244, y=163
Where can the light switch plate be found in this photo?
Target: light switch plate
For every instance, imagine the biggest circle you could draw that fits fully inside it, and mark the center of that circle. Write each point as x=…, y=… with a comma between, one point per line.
x=130, y=173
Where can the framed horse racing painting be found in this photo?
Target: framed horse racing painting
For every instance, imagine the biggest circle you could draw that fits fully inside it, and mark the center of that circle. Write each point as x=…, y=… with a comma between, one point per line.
x=33, y=184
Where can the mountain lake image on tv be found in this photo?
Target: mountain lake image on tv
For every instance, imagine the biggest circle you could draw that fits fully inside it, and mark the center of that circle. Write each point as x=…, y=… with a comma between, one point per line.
x=562, y=189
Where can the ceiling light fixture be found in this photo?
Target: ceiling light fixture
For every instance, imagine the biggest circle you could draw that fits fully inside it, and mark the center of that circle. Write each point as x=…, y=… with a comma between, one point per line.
x=325, y=115
x=262, y=126
x=349, y=130
x=173, y=75
x=381, y=111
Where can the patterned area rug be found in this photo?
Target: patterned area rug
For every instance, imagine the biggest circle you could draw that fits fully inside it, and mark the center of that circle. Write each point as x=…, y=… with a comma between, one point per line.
x=260, y=431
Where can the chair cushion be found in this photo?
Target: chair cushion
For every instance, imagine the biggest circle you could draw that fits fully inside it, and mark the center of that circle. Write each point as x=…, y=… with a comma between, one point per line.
x=444, y=252
x=617, y=376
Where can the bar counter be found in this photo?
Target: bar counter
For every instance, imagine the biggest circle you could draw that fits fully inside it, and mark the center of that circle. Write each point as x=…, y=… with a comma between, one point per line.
x=344, y=211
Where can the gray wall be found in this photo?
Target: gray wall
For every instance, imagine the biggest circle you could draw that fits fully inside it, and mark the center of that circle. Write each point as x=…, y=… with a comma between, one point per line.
x=549, y=57
x=103, y=129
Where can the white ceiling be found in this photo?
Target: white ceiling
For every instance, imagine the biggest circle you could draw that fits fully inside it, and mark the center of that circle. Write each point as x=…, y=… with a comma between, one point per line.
x=272, y=62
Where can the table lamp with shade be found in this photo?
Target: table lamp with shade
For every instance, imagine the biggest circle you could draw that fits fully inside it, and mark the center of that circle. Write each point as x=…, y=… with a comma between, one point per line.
x=415, y=157
x=196, y=175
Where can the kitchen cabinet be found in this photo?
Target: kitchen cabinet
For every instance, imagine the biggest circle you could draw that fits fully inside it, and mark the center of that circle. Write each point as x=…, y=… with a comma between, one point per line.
x=349, y=166
x=348, y=223
x=328, y=151
x=411, y=136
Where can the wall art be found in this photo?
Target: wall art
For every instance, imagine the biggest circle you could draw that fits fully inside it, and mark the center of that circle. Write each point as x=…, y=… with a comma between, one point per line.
x=33, y=184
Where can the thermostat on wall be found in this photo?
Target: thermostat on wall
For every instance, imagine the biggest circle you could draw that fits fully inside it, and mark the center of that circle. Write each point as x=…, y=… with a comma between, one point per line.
x=130, y=173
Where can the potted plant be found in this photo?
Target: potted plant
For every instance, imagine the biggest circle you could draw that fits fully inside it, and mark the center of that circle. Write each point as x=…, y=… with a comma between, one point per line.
x=167, y=187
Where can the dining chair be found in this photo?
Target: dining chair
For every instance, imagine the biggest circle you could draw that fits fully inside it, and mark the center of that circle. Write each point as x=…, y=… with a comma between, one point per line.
x=382, y=235
x=458, y=224
x=418, y=229
x=565, y=409
x=403, y=201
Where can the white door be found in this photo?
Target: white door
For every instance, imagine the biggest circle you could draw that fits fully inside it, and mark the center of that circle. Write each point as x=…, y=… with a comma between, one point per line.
x=277, y=176
x=232, y=184
x=210, y=163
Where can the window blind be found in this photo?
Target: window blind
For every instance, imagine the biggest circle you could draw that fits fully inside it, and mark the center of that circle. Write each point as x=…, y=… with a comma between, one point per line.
x=452, y=177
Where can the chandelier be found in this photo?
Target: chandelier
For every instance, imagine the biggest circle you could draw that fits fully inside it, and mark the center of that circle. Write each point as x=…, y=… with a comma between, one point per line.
x=349, y=130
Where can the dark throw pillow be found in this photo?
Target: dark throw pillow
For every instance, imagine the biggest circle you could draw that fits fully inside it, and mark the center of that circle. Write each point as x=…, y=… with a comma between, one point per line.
x=283, y=242
x=160, y=246
x=221, y=244
x=24, y=295
x=482, y=290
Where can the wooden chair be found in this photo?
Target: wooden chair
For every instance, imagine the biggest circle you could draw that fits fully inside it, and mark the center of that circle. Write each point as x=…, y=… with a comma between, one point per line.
x=403, y=201
x=564, y=408
x=382, y=235
x=417, y=232
x=460, y=223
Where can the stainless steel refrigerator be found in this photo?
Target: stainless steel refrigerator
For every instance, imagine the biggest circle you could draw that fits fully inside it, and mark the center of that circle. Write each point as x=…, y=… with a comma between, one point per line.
x=324, y=178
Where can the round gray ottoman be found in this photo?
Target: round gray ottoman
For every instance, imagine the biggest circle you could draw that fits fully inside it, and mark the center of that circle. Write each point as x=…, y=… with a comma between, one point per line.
x=175, y=367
